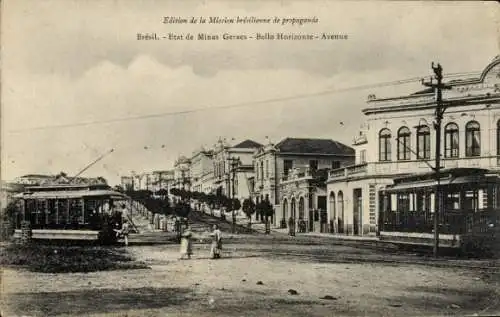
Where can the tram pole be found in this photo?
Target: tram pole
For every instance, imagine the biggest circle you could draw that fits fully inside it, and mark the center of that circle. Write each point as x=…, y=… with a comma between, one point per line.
x=440, y=109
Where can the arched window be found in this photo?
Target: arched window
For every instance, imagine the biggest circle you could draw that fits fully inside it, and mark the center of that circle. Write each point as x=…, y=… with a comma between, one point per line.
x=404, y=145
x=340, y=201
x=285, y=209
x=293, y=209
x=332, y=206
x=301, y=208
x=472, y=139
x=423, y=142
x=384, y=145
x=451, y=144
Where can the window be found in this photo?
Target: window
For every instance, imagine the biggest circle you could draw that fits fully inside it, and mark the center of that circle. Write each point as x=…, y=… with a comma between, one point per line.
x=335, y=164
x=267, y=168
x=262, y=169
x=288, y=165
x=384, y=147
x=423, y=142
x=472, y=139
x=404, y=144
x=313, y=165
x=362, y=157
x=451, y=144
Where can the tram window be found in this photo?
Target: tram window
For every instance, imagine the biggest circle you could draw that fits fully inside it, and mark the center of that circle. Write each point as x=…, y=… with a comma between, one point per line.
x=471, y=200
x=453, y=201
x=62, y=208
x=52, y=217
x=76, y=211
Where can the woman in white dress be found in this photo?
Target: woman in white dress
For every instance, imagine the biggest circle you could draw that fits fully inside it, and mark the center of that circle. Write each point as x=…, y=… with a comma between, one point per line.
x=186, y=244
x=216, y=248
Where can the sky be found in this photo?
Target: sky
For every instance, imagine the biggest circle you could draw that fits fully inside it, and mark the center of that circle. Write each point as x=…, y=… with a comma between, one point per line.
x=72, y=62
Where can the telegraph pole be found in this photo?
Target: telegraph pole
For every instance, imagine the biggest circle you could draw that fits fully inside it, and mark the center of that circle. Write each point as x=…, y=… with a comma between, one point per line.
x=234, y=164
x=440, y=110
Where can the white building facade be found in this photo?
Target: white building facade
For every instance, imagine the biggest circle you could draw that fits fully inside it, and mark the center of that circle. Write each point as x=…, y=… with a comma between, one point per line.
x=201, y=171
x=233, y=168
x=400, y=139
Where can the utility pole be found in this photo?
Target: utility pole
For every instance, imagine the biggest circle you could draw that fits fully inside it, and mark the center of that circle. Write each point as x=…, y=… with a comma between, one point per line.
x=440, y=109
x=234, y=161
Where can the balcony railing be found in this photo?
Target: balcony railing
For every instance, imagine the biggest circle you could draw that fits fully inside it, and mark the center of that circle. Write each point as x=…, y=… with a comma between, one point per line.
x=353, y=170
x=296, y=175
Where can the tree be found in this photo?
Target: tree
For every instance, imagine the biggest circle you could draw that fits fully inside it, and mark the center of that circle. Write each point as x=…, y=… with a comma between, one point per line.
x=249, y=209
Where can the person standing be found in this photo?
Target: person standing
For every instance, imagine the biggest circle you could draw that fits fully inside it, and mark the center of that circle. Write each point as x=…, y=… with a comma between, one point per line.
x=186, y=243
x=216, y=248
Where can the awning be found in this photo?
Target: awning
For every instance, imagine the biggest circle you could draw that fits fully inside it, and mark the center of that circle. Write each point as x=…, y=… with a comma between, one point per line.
x=71, y=194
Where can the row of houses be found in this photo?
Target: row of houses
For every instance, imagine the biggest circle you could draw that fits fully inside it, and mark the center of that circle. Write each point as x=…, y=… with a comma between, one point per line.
x=328, y=186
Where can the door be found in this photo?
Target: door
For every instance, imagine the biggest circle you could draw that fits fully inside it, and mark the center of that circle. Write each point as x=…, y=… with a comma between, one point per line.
x=358, y=203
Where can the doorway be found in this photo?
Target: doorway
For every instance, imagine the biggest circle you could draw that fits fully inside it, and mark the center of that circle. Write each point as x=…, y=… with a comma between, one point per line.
x=357, y=212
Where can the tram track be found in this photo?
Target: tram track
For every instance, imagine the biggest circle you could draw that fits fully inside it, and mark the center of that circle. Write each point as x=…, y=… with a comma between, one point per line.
x=393, y=259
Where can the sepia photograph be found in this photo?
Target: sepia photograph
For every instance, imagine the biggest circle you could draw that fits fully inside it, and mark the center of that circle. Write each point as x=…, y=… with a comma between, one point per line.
x=249, y=158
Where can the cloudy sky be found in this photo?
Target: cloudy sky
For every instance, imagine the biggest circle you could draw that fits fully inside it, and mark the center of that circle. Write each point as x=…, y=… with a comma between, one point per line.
x=71, y=62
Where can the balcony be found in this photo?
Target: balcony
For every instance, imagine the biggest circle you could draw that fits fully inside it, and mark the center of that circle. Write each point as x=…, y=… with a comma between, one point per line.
x=349, y=171
x=297, y=174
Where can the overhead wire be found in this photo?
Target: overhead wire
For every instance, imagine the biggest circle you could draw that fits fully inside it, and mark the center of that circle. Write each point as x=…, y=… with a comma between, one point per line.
x=236, y=105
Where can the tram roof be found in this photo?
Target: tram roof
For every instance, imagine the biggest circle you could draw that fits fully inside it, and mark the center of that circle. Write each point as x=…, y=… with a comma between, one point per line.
x=71, y=194
x=444, y=173
x=448, y=177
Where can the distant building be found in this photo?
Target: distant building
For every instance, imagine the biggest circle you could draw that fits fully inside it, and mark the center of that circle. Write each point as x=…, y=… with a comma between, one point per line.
x=32, y=179
x=233, y=168
x=202, y=170
x=182, y=178
x=399, y=139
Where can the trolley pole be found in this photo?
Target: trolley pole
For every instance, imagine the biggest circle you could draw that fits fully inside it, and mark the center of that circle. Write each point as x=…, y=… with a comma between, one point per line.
x=440, y=109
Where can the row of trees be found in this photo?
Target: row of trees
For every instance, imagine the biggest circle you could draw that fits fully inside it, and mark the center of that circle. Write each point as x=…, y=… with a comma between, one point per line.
x=158, y=202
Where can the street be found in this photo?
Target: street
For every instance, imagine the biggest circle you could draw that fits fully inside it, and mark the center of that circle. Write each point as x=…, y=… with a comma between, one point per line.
x=267, y=278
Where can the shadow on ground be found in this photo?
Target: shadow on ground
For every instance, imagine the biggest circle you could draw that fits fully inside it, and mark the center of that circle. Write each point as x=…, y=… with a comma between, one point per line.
x=94, y=301
x=447, y=298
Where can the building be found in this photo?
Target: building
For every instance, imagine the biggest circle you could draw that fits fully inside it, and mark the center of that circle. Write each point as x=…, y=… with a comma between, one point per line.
x=182, y=179
x=202, y=170
x=274, y=164
x=32, y=179
x=162, y=180
x=233, y=168
x=399, y=139
x=303, y=196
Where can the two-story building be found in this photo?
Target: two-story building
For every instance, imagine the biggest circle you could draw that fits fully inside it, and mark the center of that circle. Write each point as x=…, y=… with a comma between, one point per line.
x=273, y=163
x=202, y=170
x=162, y=180
x=400, y=139
x=233, y=168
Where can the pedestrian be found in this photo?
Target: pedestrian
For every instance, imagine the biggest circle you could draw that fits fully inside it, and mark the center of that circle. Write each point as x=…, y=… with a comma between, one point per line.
x=186, y=244
x=125, y=231
x=216, y=249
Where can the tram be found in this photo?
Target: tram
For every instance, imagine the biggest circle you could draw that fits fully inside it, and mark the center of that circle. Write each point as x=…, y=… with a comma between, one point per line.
x=82, y=212
x=470, y=210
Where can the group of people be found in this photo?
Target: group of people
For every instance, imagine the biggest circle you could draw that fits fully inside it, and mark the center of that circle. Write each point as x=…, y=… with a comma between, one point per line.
x=186, y=249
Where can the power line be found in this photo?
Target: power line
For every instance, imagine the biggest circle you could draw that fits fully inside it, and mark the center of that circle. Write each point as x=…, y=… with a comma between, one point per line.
x=236, y=105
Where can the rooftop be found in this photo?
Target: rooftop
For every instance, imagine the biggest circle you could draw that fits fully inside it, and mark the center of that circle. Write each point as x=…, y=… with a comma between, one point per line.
x=314, y=146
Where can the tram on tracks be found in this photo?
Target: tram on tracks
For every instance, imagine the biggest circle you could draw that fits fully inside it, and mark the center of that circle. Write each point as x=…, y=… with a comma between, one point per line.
x=70, y=212
x=470, y=210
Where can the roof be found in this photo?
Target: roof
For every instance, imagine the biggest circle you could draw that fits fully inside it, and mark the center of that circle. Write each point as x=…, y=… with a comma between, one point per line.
x=314, y=146
x=36, y=175
x=248, y=144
